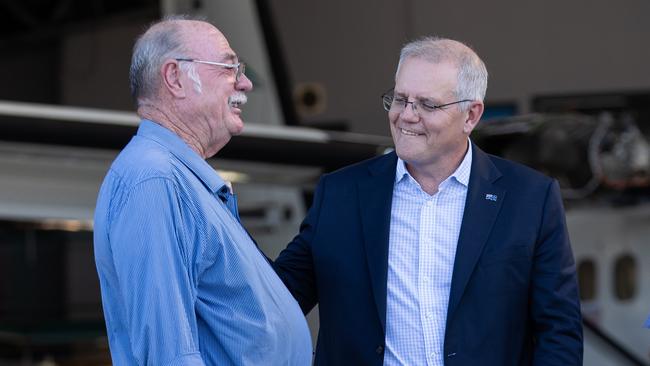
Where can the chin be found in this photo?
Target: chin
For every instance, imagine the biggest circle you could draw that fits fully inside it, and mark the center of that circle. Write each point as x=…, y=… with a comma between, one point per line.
x=403, y=153
x=236, y=126
x=411, y=155
x=405, y=149
x=239, y=129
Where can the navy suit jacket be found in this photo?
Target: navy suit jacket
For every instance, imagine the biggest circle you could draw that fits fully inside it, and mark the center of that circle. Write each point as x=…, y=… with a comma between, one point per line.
x=513, y=299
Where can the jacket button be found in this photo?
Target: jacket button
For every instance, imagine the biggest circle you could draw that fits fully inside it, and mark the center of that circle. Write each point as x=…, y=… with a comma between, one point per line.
x=380, y=349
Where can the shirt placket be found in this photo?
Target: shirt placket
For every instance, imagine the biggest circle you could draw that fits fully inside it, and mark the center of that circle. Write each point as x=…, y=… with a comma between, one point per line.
x=230, y=200
x=425, y=281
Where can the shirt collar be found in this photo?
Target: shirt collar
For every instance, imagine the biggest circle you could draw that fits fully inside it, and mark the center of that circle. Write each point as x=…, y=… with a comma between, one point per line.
x=461, y=174
x=177, y=147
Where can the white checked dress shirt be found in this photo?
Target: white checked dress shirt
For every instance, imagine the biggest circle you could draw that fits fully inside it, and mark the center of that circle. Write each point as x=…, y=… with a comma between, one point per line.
x=424, y=232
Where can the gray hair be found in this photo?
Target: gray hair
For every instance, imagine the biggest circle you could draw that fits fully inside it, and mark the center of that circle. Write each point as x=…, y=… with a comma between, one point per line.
x=162, y=40
x=190, y=69
x=472, y=74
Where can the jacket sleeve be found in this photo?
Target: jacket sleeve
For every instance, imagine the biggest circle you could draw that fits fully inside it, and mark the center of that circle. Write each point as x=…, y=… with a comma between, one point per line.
x=555, y=305
x=295, y=264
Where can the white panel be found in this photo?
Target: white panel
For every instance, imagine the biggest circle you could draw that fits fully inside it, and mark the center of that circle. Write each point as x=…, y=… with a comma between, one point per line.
x=40, y=182
x=603, y=234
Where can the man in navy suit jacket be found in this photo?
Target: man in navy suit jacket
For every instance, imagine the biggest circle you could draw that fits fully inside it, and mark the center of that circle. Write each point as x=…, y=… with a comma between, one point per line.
x=437, y=253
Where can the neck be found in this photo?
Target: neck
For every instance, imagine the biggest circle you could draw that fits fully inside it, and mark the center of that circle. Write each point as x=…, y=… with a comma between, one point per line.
x=170, y=119
x=430, y=175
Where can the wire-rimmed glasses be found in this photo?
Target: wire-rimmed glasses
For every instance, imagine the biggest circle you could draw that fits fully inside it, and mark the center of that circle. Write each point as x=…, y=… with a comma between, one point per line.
x=240, y=67
x=420, y=106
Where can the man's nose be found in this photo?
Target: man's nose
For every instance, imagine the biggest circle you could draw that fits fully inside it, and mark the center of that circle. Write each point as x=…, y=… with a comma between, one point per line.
x=244, y=83
x=410, y=113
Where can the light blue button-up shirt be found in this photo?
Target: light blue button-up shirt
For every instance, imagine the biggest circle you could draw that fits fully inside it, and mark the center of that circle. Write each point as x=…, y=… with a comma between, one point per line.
x=182, y=282
x=424, y=232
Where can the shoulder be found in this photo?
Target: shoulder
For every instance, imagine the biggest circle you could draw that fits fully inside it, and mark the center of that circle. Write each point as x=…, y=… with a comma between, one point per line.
x=518, y=170
x=143, y=168
x=514, y=176
x=143, y=160
x=376, y=165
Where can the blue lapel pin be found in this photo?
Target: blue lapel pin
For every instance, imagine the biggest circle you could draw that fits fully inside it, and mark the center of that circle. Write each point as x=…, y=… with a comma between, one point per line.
x=491, y=197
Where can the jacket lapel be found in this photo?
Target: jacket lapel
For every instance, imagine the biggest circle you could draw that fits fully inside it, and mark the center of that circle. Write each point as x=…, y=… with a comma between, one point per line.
x=375, y=199
x=482, y=206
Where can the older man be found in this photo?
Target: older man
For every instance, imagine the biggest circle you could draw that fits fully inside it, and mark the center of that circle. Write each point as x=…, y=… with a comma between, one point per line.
x=182, y=282
x=438, y=254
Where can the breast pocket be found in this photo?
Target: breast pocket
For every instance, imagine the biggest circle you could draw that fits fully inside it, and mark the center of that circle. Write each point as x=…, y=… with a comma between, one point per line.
x=505, y=270
x=506, y=254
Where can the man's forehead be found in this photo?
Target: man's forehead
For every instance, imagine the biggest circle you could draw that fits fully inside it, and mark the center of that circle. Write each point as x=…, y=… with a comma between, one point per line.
x=209, y=42
x=425, y=78
x=426, y=67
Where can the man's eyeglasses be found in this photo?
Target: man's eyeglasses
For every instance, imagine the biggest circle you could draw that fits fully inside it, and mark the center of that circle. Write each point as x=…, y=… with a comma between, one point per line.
x=240, y=67
x=420, y=106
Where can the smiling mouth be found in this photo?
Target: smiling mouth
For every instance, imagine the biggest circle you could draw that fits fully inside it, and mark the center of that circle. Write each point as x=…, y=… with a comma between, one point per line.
x=410, y=133
x=237, y=100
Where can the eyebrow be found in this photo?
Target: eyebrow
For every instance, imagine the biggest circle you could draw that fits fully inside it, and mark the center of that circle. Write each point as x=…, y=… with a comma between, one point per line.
x=230, y=57
x=402, y=95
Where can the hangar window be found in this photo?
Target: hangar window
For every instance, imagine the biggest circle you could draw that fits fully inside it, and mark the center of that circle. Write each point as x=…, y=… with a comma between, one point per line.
x=587, y=279
x=625, y=277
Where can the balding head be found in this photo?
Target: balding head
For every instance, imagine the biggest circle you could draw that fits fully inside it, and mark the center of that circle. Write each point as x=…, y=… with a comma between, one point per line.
x=472, y=74
x=187, y=78
x=170, y=38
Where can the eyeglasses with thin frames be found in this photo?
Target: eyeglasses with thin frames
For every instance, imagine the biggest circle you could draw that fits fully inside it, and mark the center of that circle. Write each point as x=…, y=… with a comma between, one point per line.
x=240, y=67
x=421, y=107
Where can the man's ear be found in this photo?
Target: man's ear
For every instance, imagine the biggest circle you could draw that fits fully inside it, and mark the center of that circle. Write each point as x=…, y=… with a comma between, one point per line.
x=474, y=114
x=171, y=76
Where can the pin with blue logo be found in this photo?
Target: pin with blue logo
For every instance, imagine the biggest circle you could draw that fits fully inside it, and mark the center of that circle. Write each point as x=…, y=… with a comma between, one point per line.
x=491, y=197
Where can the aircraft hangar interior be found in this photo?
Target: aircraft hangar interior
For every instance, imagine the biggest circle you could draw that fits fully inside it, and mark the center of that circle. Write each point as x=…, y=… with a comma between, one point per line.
x=568, y=95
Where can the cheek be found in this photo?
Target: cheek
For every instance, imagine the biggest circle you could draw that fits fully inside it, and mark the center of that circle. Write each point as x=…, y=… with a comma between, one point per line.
x=392, y=118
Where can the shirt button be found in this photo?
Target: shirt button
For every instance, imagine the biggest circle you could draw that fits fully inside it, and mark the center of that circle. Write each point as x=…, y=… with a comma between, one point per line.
x=429, y=315
x=380, y=350
x=425, y=279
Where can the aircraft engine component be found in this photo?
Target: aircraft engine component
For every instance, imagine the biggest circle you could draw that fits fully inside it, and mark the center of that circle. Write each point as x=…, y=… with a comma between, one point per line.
x=582, y=152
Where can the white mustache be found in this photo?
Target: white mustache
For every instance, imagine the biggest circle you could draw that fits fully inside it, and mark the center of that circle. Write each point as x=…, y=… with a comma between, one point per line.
x=237, y=100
